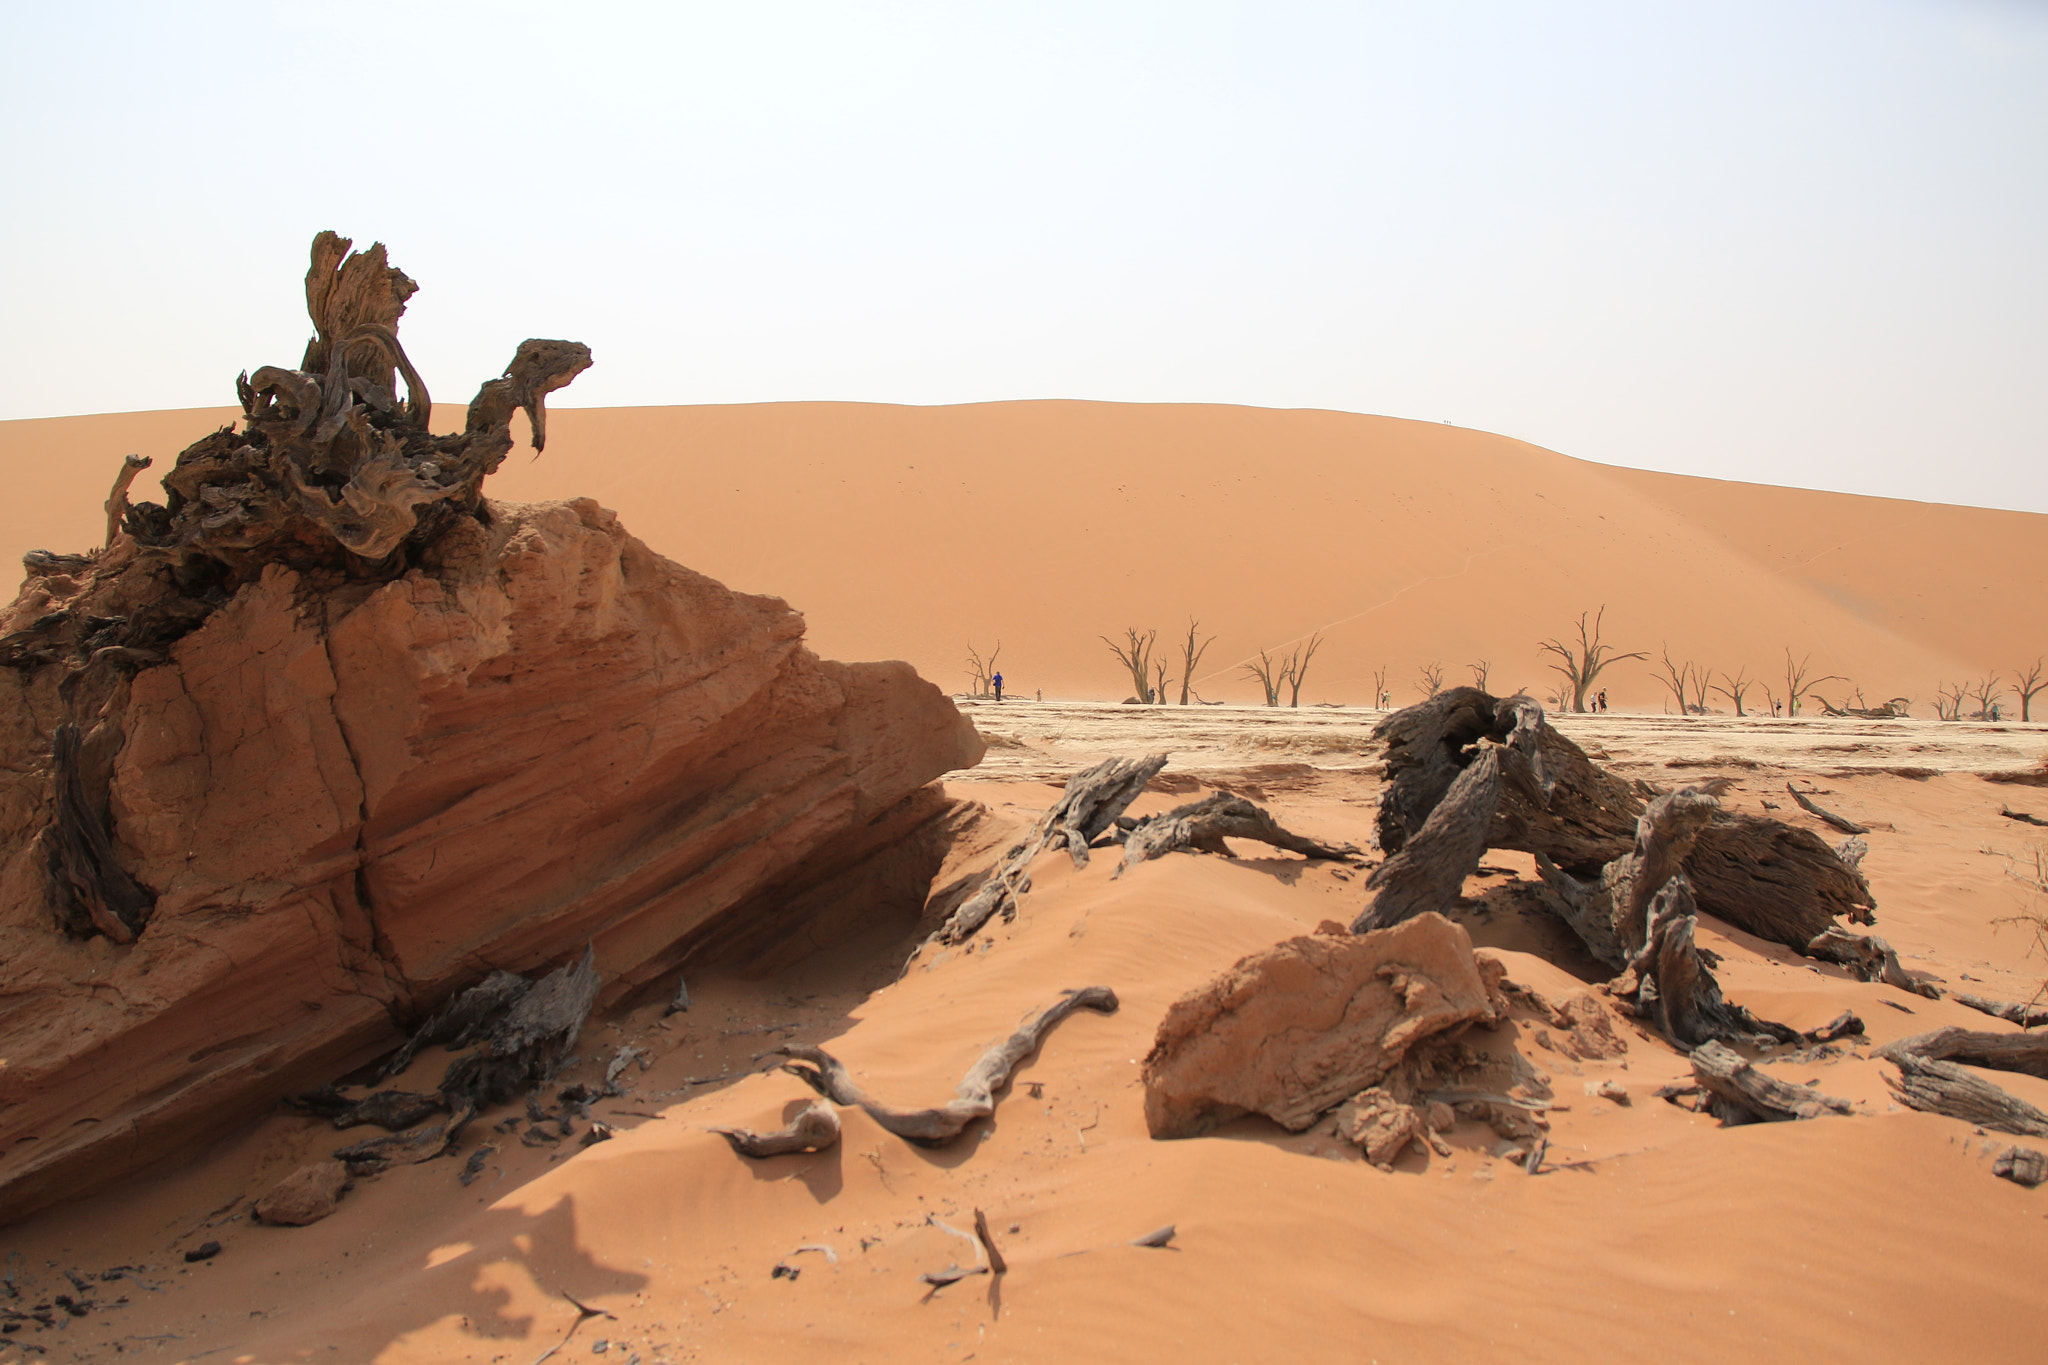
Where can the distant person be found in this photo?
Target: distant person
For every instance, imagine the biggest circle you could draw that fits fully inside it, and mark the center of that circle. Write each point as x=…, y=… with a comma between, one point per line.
x=1041, y=694
x=997, y=683
x=1603, y=700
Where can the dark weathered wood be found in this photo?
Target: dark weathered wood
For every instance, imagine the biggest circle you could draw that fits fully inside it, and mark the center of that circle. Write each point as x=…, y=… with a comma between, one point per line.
x=1555, y=800
x=1807, y=804
x=1091, y=803
x=1202, y=826
x=813, y=1130
x=1430, y=870
x=2022, y=1052
x=2027, y=1014
x=1669, y=986
x=1741, y=1093
x=2009, y=813
x=1937, y=1087
x=392, y=1110
x=1868, y=958
x=2021, y=1165
x=91, y=891
x=524, y=1044
x=330, y=467
x=976, y=1096
x=462, y=1018
x=1775, y=880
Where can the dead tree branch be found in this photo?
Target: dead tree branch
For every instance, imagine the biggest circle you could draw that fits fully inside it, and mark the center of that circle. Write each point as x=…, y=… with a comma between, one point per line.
x=813, y=1130
x=1202, y=826
x=976, y=1096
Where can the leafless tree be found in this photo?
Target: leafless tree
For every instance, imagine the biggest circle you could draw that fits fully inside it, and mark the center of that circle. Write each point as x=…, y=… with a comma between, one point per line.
x=1583, y=665
x=980, y=670
x=1272, y=675
x=1986, y=690
x=2029, y=685
x=1381, y=698
x=1948, y=701
x=1771, y=697
x=1135, y=654
x=1159, y=692
x=1190, y=657
x=1679, y=677
x=1797, y=685
x=1478, y=674
x=1431, y=679
x=1296, y=667
x=1736, y=686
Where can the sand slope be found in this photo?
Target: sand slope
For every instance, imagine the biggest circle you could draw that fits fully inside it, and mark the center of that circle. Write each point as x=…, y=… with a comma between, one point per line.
x=910, y=532
x=1655, y=1230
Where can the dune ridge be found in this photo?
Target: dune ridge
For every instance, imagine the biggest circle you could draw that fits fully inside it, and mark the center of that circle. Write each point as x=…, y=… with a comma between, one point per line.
x=913, y=533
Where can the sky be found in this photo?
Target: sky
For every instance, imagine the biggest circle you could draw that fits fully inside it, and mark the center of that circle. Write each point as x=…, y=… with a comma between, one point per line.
x=1796, y=242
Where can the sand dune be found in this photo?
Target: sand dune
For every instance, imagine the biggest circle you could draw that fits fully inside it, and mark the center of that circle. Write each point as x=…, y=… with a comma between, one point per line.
x=912, y=532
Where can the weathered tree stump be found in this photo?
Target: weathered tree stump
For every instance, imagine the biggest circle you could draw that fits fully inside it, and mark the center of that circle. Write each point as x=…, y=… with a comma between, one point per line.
x=1669, y=986
x=1430, y=869
x=1868, y=958
x=1937, y=1087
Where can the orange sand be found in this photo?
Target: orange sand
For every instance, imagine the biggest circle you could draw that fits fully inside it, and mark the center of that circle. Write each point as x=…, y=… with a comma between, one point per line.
x=912, y=533
x=1880, y=1236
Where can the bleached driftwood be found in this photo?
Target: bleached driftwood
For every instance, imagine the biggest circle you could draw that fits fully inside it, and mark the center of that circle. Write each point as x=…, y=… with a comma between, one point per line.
x=976, y=1096
x=1807, y=804
x=1868, y=958
x=1938, y=1087
x=1202, y=826
x=813, y=1130
x=1091, y=803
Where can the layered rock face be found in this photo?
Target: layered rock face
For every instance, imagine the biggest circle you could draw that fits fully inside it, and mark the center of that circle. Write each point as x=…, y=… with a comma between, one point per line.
x=350, y=798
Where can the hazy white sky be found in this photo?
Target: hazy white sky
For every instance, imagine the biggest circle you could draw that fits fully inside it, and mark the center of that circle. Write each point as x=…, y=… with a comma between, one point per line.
x=1788, y=242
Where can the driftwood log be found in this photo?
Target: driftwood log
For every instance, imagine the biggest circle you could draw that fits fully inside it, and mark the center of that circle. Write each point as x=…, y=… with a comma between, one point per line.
x=2022, y=1052
x=1091, y=803
x=1202, y=826
x=1738, y=1092
x=1669, y=986
x=1775, y=880
x=2027, y=1014
x=1938, y=1087
x=1868, y=958
x=976, y=1096
x=813, y=1130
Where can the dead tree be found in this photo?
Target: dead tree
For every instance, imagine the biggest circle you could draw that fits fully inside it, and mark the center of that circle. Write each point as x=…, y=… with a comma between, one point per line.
x=1479, y=671
x=1271, y=675
x=2027, y=685
x=1159, y=683
x=1678, y=677
x=1986, y=690
x=1091, y=803
x=976, y=1096
x=1797, y=685
x=1381, y=698
x=1733, y=688
x=1948, y=701
x=1430, y=678
x=1584, y=664
x=1202, y=826
x=1135, y=654
x=1296, y=667
x=981, y=670
x=1191, y=657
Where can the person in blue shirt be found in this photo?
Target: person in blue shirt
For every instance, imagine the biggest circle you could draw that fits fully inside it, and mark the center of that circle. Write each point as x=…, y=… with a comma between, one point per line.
x=997, y=683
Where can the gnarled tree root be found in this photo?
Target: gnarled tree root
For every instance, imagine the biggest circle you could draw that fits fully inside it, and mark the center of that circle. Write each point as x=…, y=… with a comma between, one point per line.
x=1202, y=826
x=975, y=1098
x=813, y=1130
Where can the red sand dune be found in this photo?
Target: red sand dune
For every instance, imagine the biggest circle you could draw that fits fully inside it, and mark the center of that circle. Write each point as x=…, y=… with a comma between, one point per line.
x=911, y=533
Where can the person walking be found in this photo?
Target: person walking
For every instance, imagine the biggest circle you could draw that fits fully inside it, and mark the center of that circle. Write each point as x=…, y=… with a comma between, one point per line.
x=997, y=683
x=1603, y=699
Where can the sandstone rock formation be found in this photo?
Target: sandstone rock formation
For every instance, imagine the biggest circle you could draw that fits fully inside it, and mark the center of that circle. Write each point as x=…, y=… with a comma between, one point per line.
x=259, y=815
x=1311, y=1022
x=305, y=1196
